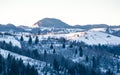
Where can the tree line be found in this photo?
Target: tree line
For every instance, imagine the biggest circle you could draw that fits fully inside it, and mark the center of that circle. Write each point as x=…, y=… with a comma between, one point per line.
x=12, y=66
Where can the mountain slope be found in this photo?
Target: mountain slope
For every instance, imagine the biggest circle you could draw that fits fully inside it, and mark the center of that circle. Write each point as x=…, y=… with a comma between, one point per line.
x=116, y=33
x=11, y=39
x=89, y=37
x=95, y=38
x=90, y=26
x=40, y=65
x=25, y=28
x=10, y=27
x=51, y=22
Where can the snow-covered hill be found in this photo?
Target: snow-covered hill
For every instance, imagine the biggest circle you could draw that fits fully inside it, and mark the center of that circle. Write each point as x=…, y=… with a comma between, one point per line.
x=10, y=27
x=11, y=39
x=95, y=38
x=38, y=64
x=88, y=37
x=51, y=22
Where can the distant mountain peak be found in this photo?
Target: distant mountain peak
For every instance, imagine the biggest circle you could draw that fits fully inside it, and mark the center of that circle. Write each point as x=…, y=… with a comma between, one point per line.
x=51, y=22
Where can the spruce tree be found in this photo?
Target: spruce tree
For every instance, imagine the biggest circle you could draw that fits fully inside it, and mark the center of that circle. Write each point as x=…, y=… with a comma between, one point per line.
x=45, y=55
x=75, y=51
x=51, y=46
x=10, y=46
x=93, y=72
x=32, y=71
x=94, y=62
x=3, y=45
x=54, y=51
x=86, y=59
x=36, y=40
x=118, y=67
x=55, y=65
x=109, y=72
x=80, y=51
x=1, y=64
x=35, y=53
x=28, y=69
x=71, y=46
x=30, y=40
x=39, y=32
x=63, y=46
x=21, y=38
x=12, y=66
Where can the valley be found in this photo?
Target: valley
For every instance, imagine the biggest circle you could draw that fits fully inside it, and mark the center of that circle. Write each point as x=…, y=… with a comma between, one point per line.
x=56, y=48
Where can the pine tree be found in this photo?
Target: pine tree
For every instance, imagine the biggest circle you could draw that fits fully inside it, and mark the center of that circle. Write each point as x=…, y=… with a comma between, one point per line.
x=1, y=64
x=63, y=46
x=118, y=67
x=86, y=59
x=39, y=32
x=80, y=51
x=30, y=40
x=71, y=46
x=10, y=46
x=75, y=51
x=109, y=72
x=9, y=60
x=94, y=62
x=51, y=46
x=35, y=53
x=108, y=29
x=10, y=43
x=55, y=65
x=3, y=45
x=36, y=40
x=28, y=69
x=93, y=72
x=45, y=55
x=22, y=67
x=12, y=66
x=54, y=51
x=21, y=38
x=32, y=71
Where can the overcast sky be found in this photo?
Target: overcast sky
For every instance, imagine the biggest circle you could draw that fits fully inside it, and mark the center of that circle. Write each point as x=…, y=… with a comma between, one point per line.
x=27, y=12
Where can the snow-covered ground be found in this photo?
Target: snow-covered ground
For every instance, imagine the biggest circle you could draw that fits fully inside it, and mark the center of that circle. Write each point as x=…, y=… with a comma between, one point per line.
x=98, y=29
x=7, y=39
x=88, y=37
x=95, y=38
x=38, y=64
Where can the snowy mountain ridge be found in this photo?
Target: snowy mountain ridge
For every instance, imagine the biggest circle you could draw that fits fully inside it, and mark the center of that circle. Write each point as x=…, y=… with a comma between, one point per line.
x=51, y=22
